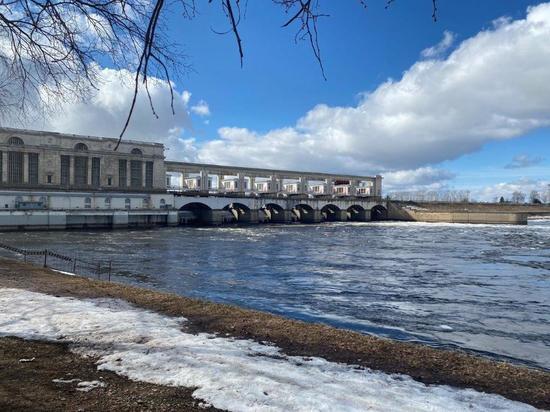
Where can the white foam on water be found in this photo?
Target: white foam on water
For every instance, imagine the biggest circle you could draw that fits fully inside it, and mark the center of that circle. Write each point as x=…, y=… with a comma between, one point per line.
x=233, y=374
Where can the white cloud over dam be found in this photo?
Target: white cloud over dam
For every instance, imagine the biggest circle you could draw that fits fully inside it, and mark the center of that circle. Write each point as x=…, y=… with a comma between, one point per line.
x=493, y=86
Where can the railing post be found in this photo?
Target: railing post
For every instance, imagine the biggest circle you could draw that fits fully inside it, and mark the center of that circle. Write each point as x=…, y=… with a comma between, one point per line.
x=25, y=255
x=99, y=270
x=74, y=264
x=45, y=258
x=110, y=267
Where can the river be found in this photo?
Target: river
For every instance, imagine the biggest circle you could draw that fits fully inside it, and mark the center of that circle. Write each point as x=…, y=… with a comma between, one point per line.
x=481, y=288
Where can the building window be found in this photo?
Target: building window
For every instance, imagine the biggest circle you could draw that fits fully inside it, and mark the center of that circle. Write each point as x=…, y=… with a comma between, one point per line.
x=109, y=180
x=65, y=170
x=96, y=173
x=49, y=177
x=15, y=141
x=149, y=175
x=88, y=203
x=108, y=202
x=1, y=159
x=145, y=203
x=15, y=167
x=136, y=152
x=162, y=203
x=33, y=168
x=80, y=171
x=80, y=147
x=127, y=203
x=136, y=173
x=122, y=173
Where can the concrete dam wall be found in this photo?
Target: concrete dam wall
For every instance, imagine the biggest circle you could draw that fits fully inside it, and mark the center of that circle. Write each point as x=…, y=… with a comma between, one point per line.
x=463, y=213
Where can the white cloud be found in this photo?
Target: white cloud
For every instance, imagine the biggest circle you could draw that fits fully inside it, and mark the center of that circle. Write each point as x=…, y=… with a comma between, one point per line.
x=440, y=48
x=186, y=97
x=505, y=189
x=423, y=177
x=201, y=108
x=105, y=112
x=493, y=86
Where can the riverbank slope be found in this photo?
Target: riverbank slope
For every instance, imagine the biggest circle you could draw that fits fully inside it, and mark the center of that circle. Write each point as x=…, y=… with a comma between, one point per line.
x=424, y=364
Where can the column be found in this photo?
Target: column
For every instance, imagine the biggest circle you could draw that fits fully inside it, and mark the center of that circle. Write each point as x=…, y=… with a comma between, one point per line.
x=377, y=186
x=128, y=174
x=220, y=183
x=253, y=184
x=182, y=180
x=71, y=170
x=204, y=180
x=89, y=177
x=274, y=185
x=329, y=186
x=25, y=168
x=281, y=187
x=4, y=167
x=240, y=184
x=352, y=187
x=143, y=173
x=303, y=185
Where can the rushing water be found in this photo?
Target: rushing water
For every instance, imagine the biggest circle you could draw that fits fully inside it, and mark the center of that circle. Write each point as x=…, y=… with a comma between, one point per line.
x=478, y=287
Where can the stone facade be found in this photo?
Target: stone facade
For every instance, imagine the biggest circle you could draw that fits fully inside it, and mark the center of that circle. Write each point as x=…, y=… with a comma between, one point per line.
x=46, y=160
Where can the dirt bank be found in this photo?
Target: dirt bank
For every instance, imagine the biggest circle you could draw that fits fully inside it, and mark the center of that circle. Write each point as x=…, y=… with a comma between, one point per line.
x=423, y=363
x=45, y=376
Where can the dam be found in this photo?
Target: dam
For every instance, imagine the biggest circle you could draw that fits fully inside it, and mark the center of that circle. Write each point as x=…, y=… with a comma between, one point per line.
x=61, y=181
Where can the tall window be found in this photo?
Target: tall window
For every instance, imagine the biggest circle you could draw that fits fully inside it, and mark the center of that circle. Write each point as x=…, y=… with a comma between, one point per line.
x=122, y=173
x=1, y=176
x=15, y=167
x=96, y=171
x=65, y=170
x=149, y=175
x=80, y=171
x=33, y=168
x=136, y=173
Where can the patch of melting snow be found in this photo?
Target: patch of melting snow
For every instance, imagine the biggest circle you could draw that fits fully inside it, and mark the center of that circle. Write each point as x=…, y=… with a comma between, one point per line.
x=87, y=386
x=233, y=374
x=27, y=360
x=65, y=380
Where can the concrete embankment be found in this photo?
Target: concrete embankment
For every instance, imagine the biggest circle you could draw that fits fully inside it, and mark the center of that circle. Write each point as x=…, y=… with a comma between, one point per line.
x=465, y=212
x=423, y=363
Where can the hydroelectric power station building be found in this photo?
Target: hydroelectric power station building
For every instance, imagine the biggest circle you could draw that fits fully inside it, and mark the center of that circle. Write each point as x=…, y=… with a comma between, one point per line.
x=58, y=181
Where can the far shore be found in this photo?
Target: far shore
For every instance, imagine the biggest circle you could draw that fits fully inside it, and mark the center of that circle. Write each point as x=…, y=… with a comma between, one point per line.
x=422, y=363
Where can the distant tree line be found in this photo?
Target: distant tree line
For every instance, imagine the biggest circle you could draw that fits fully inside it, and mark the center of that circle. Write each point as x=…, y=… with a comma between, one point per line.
x=535, y=197
x=454, y=196
x=461, y=196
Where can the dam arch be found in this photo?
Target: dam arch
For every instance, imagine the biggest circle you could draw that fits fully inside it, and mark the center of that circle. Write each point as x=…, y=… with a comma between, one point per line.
x=379, y=212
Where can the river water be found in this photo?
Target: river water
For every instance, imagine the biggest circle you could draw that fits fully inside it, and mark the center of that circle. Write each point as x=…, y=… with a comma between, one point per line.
x=481, y=288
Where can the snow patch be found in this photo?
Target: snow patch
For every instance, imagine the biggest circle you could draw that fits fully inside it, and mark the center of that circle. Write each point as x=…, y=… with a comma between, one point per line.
x=233, y=374
x=87, y=386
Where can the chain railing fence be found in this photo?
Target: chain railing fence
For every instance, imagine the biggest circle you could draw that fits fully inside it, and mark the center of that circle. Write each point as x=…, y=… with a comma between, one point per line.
x=101, y=269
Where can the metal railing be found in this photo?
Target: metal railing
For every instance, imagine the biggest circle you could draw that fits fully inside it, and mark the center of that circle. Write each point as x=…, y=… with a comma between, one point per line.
x=57, y=261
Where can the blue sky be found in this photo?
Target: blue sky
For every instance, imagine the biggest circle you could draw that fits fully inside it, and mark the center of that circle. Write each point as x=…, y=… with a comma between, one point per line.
x=280, y=80
x=472, y=112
